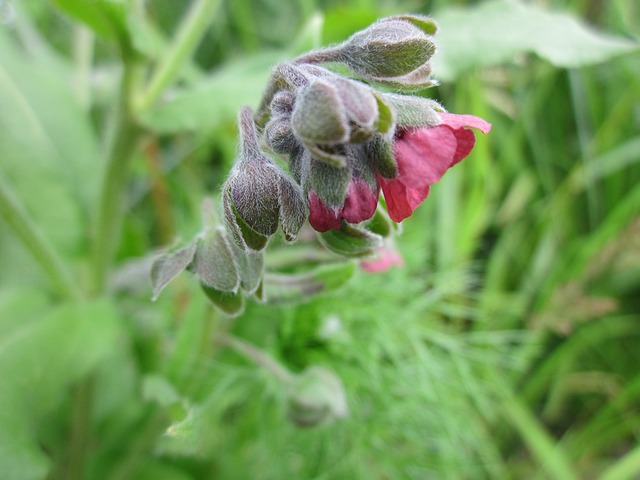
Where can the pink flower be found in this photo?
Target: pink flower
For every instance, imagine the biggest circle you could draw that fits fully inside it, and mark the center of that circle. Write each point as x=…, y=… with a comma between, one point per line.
x=423, y=156
x=359, y=205
x=386, y=258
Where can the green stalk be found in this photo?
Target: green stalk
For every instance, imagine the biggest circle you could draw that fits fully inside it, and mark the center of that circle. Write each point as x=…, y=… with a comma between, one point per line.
x=551, y=458
x=111, y=207
x=257, y=356
x=33, y=239
x=626, y=467
x=188, y=36
x=83, y=46
x=137, y=451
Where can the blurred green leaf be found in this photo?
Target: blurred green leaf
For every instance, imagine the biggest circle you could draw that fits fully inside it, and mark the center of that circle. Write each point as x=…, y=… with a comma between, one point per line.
x=48, y=150
x=40, y=358
x=107, y=18
x=495, y=32
x=343, y=21
x=215, y=100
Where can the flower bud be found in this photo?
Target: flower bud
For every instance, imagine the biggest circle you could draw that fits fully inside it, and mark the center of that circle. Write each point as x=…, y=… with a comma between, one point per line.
x=317, y=396
x=394, y=50
x=340, y=194
x=334, y=111
x=258, y=196
x=279, y=136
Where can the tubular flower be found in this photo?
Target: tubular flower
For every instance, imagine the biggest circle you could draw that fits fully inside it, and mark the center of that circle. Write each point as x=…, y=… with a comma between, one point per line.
x=359, y=205
x=423, y=155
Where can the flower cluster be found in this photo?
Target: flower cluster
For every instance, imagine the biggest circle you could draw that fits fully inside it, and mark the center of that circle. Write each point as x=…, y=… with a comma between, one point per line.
x=345, y=142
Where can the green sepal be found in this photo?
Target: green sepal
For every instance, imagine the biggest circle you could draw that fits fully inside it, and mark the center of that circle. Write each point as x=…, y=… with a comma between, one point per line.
x=230, y=303
x=168, y=266
x=413, y=111
x=351, y=241
x=250, y=268
x=243, y=235
x=426, y=24
x=386, y=117
x=214, y=262
x=379, y=151
x=381, y=224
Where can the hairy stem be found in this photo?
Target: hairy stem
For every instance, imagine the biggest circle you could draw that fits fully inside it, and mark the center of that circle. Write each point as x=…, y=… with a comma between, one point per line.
x=34, y=240
x=111, y=207
x=189, y=34
x=323, y=55
x=257, y=356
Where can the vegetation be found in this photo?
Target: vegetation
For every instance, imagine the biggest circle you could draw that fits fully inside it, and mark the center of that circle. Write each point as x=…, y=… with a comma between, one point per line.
x=506, y=346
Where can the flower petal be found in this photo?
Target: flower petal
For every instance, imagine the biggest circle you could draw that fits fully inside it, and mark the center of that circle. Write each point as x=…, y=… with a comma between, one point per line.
x=402, y=200
x=425, y=154
x=466, y=140
x=360, y=203
x=456, y=121
x=321, y=217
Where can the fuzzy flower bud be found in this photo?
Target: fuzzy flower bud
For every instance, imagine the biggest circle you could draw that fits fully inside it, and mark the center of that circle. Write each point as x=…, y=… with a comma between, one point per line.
x=258, y=196
x=317, y=396
x=330, y=112
x=395, y=51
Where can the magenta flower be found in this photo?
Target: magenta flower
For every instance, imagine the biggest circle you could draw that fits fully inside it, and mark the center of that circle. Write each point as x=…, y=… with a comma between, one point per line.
x=359, y=205
x=423, y=156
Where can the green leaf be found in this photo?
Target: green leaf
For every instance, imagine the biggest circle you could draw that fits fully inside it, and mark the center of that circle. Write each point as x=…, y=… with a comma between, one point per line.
x=107, y=18
x=214, y=101
x=40, y=359
x=48, y=153
x=497, y=31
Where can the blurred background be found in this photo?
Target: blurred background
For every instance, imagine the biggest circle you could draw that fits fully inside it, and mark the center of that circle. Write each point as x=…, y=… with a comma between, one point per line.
x=507, y=346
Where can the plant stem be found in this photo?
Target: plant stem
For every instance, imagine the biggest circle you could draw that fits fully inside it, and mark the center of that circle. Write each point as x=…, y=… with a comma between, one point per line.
x=80, y=438
x=322, y=55
x=83, y=55
x=155, y=424
x=257, y=356
x=189, y=34
x=111, y=207
x=33, y=239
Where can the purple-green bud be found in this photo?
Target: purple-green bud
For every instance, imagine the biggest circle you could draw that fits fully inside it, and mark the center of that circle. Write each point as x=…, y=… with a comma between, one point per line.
x=394, y=50
x=279, y=136
x=334, y=111
x=317, y=396
x=258, y=196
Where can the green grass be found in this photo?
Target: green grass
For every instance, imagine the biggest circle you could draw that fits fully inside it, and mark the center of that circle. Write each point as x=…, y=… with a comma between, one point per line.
x=506, y=347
